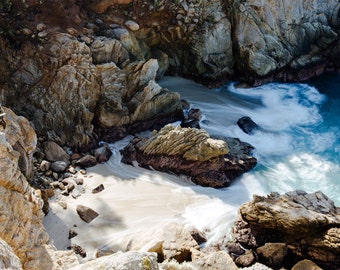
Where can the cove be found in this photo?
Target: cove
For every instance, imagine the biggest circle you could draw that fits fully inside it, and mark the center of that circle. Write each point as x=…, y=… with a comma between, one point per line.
x=297, y=147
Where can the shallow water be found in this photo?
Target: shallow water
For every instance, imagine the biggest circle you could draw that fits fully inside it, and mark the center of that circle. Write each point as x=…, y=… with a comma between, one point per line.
x=297, y=147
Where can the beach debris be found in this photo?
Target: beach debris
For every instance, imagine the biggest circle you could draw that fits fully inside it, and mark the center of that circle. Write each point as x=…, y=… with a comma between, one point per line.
x=86, y=213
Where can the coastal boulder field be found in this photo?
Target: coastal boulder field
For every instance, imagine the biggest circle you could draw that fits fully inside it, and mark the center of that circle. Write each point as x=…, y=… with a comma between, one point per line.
x=75, y=74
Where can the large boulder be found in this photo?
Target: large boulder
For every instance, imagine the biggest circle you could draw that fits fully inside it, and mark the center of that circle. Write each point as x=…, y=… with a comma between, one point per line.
x=191, y=152
x=307, y=223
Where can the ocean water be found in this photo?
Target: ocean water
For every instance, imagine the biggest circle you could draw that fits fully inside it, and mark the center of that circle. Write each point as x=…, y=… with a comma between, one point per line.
x=297, y=147
x=298, y=143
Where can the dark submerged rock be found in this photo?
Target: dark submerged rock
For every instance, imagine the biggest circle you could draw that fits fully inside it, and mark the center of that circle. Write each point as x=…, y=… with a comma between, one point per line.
x=247, y=125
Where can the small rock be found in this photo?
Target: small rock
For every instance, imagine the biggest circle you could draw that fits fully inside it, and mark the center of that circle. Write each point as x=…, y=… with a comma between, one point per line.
x=55, y=176
x=77, y=192
x=79, y=181
x=79, y=250
x=82, y=171
x=306, y=265
x=48, y=173
x=86, y=214
x=87, y=161
x=53, y=152
x=247, y=125
x=45, y=166
x=63, y=205
x=195, y=114
x=59, y=166
x=272, y=254
x=246, y=259
x=42, y=34
x=72, y=234
x=103, y=153
x=41, y=26
x=199, y=236
x=98, y=189
x=26, y=31
x=72, y=170
x=132, y=25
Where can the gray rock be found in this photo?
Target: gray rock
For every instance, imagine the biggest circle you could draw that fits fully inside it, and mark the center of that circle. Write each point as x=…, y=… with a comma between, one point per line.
x=86, y=214
x=53, y=152
x=86, y=161
x=59, y=166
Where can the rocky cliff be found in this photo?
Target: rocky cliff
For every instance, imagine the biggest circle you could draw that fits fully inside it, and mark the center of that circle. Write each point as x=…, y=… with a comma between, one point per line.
x=23, y=239
x=83, y=71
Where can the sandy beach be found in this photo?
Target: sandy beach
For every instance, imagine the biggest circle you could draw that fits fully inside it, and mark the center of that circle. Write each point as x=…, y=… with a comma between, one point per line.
x=134, y=202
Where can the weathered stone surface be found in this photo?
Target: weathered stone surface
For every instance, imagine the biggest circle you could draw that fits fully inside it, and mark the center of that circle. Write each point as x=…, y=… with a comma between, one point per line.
x=8, y=260
x=103, y=153
x=86, y=161
x=191, y=144
x=172, y=241
x=247, y=125
x=136, y=260
x=246, y=259
x=191, y=152
x=272, y=254
x=98, y=189
x=59, y=166
x=214, y=260
x=77, y=92
x=85, y=213
x=21, y=224
x=306, y=265
x=53, y=152
x=307, y=223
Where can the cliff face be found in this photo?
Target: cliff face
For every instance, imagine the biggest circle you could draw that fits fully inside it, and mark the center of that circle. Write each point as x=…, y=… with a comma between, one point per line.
x=85, y=71
x=20, y=205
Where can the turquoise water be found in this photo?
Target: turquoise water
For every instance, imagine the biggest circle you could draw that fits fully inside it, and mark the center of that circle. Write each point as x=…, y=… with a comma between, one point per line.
x=298, y=144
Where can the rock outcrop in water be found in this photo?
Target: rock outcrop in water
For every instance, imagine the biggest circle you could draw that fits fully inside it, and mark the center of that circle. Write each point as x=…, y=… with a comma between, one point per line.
x=191, y=152
x=308, y=225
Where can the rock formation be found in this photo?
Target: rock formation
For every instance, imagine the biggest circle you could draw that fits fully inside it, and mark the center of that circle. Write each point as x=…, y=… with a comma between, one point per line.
x=307, y=224
x=191, y=152
x=20, y=205
x=87, y=71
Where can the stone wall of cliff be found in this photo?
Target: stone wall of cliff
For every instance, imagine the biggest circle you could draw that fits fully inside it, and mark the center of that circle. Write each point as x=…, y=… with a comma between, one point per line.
x=22, y=235
x=87, y=71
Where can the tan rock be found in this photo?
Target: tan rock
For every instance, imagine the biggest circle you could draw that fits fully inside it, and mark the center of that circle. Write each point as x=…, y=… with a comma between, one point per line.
x=306, y=265
x=21, y=227
x=214, y=260
x=8, y=260
x=192, y=144
x=135, y=260
x=172, y=241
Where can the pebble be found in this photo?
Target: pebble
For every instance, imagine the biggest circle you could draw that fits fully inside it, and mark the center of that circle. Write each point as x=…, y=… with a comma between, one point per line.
x=41, y=26
x=42, y=34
